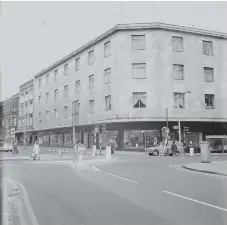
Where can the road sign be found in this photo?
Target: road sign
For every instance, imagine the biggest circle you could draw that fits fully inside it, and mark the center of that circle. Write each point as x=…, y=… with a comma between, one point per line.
x=175, y=127
x=96, y=129
x=103, y=128
x=186, y=129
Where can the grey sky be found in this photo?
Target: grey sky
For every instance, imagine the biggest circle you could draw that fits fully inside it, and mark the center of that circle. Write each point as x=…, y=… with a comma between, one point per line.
x=27, y=46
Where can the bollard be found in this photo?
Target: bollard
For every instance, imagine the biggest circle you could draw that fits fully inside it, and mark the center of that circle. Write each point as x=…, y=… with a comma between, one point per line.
x=93, y=150
x=108, y=152
x=191, y=151
x=205, y=152
x=80, y=158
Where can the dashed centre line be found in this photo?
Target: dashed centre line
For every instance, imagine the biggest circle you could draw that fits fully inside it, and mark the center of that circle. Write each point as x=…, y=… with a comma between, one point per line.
x=132, y=181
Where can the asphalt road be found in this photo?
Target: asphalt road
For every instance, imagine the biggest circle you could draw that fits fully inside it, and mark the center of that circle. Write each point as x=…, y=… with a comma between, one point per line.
x=132, y=191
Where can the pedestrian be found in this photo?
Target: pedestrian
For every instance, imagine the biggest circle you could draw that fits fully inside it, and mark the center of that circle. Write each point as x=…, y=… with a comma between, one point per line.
x=36, y=150
x=15, y=148
x=174, y=148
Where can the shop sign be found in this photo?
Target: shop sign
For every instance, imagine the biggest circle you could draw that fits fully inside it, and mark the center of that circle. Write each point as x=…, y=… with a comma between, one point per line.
x=127, y=116
x=175, y=127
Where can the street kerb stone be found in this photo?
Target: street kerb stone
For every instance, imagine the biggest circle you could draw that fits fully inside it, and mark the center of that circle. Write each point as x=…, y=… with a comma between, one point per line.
x=197, y=168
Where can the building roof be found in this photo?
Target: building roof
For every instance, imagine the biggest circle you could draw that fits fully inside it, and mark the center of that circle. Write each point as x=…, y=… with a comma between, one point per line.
x=26, y=83
x=136, y=26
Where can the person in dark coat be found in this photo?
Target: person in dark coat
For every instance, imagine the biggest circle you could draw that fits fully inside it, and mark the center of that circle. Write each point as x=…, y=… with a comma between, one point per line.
x=174, y=148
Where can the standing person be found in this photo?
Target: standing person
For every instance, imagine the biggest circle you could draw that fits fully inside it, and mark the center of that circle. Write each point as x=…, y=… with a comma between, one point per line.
x=174, y=148
x=36, y=150
x=15, y=148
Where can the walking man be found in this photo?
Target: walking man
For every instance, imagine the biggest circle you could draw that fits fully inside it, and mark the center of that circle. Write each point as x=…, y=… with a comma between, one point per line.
x=174, y=148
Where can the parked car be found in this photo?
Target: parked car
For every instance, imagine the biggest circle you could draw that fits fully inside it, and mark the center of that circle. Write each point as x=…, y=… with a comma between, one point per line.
x=6, y=147
x=155, y=150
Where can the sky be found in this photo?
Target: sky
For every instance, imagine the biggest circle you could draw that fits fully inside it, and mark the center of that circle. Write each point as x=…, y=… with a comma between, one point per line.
x=34, y=35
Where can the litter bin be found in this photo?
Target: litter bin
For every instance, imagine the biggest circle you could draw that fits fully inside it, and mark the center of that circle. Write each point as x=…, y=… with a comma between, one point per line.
x=191, y=148
x=205, y=152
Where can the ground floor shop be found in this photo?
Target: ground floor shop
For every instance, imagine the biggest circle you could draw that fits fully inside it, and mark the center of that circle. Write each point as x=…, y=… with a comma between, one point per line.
x=125, y=135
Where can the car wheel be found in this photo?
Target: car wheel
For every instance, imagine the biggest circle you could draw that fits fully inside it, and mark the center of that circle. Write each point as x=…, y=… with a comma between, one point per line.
x=155, y=153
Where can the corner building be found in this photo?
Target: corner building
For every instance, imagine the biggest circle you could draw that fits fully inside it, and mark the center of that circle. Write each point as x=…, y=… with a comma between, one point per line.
x=127, y=77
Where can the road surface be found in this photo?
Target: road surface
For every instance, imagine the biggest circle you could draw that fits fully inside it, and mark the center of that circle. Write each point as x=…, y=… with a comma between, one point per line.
x=151, y=190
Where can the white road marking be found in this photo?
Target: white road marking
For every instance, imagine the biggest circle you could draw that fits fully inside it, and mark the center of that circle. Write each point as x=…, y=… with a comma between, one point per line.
x=95, y=168
x=197, y=201
x=135, y=182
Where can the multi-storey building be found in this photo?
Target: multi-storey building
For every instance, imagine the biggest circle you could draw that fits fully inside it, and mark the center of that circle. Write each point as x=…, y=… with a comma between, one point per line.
x=127, y=77
x=1, y=122
x=10, y=118
x=25, y=122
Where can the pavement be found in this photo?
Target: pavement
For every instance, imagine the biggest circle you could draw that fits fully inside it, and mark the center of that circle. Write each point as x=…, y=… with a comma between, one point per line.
x=131, y=189
x=215, y=167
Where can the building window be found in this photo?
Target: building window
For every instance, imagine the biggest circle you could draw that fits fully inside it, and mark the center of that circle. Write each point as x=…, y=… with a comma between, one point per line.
x=139, y=99
x=107, y=49
x=108, y=103
x=55, y=75
x=179, y=100
x=207, y=48
x=91, y=106
x=56, y=114
x=138, y=42
x=77, y=64
x=177, y=44
x=76, y=107
x=178, y=72
x=66, y=68
x=40, y=83
x=107, y=76
x=48, y=115
x=91, y=81
x=56, y=95
x=91, y=57
x=66, y=111
x=208, y=74
x=47, y=79
x=139, y=70
x=209, y=101
x=40, y=118
x=47, y=97
x=78, y=86
x=66, y=91
x=40, y=100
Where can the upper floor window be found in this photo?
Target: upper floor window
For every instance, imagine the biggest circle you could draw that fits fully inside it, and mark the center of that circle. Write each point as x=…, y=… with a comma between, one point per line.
x=91, y=81
x=66, y=68
x=76, y=106
x=47, y=79
x=178, y=72
x=139, y=99
x=107, y=76
x=66, y=91
x=56, y=114
x=56, y=95
x=139, y=70
x=138, y=42
x=47, y=97
x=40, y=100
x=40, y=117
x=177, y=44
x=179, y=100
x=209, y=101
x=78, y=86
x=48, y=115
x=208, y=48
x=56, y=75
x=40, y=82
x=91, y=106
x=77, y=61
x=208, y=74
x=66, y=111
x=91, y=57
x=107, y=49
x=108, y=103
